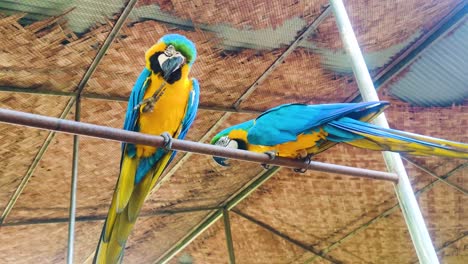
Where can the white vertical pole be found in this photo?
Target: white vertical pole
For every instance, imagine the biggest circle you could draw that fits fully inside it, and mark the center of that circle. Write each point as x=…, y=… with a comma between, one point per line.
x=408, y=204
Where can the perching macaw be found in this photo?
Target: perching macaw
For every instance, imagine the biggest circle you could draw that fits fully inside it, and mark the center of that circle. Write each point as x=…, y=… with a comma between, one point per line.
x=164, y=101
x=300, y=131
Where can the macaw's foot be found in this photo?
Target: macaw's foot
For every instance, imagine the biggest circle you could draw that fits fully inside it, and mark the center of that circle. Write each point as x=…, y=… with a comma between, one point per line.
x=148, y=105
x=307, y=160
x=167, y=141
x=271, y=155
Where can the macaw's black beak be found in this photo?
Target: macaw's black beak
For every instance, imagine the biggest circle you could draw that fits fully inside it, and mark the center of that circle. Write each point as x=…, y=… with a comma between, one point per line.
x=221, y=161
x=171, y=64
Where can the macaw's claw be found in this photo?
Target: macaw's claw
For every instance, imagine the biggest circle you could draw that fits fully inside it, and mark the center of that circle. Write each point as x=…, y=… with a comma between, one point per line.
x=167, y=141
x=306, y=160
x=149, y=107
x=300, y=170
x=271, y=155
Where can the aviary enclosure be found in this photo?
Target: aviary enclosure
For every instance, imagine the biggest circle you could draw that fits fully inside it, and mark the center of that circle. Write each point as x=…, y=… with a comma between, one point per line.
x=79, y=61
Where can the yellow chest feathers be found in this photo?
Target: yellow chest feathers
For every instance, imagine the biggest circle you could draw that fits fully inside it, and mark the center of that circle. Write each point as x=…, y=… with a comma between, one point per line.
x=168, y=113
x=169, y=109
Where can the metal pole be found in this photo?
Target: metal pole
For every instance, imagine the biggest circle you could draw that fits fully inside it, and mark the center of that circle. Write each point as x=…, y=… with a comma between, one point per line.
x=32, y=168
x=105, y=46
x=74, y=179
x=227, y=229
x=307, y=31
x=232, y=201
x=298, y=243
x=166, y=257
x=426, y=170
x=79, y=89
x=412, y=214
x=80, y=128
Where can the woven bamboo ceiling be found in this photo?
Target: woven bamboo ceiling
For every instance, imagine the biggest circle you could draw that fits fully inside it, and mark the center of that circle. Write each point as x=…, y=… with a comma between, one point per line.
x=47, y=47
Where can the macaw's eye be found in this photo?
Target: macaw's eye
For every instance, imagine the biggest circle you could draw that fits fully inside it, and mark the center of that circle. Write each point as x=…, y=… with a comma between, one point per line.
x=223, y=141
x=171, y=52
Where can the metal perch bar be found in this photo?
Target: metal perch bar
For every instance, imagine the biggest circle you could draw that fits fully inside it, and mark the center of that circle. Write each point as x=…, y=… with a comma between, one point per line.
x=79, y=128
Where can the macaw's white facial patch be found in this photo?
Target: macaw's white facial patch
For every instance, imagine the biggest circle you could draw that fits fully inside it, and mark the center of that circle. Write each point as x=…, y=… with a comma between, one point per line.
x=227, y=142
x=233, y=144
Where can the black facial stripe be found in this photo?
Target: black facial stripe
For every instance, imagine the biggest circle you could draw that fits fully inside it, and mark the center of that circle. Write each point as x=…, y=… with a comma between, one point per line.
x=154, y=63
x=241, y=144
x=175, y=76
x=156, y=68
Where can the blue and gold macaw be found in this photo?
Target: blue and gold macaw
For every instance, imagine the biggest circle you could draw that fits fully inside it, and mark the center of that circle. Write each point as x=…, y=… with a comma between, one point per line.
x=300, y=131
x=164, y=101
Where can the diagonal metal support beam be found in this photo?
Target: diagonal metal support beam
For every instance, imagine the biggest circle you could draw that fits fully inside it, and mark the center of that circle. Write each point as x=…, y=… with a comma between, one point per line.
x=91, y=69
x=412, y=52
x=305, y=33
x=213, y=217
x=307, y=248
x=106, y=45
x=451, y=242
x=426, y=170
x=32, y=168
x=385, y=213
x=194, y=233
x=250, y=187
x=227, y=229
x=186, y=156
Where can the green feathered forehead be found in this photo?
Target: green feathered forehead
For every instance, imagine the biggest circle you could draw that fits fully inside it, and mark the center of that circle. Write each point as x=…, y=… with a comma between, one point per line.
x=242, y=126
x=183, y=45
x=218, y=136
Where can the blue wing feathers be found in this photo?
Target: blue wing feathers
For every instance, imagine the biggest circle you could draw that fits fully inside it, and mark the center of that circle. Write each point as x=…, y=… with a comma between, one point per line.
x=192, y=108
x=337, y=134
x=131, y=116
x=136, y=97
x=353, y=126
x=285, y=122
x=146, y=164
